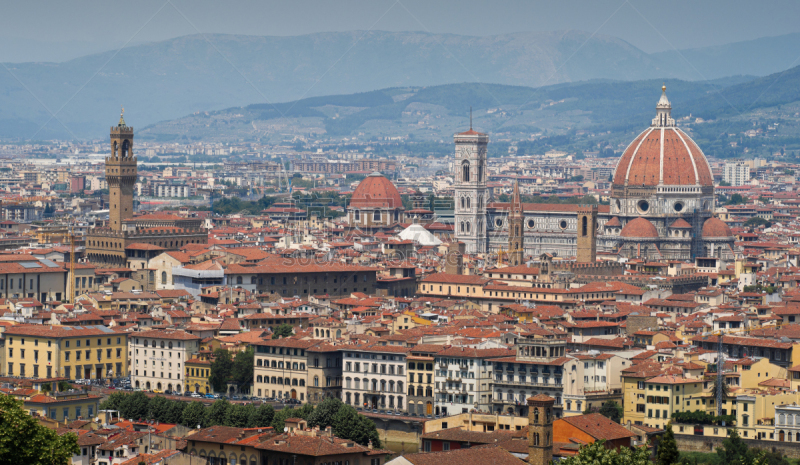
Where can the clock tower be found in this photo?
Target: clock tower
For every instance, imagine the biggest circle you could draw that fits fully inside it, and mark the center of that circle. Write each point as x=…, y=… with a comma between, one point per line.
x=471, y=194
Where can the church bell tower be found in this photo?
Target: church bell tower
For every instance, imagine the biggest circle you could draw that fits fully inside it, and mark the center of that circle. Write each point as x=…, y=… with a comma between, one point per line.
x=120, y=174
x=471, y=194
x=516, y=231
x=540, y=429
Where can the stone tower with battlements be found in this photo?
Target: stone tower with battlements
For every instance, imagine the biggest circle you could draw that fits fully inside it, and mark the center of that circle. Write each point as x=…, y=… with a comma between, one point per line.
x=516, y=231
x=471, y=194
x=587, y=234
x=540, y=429
x=120, y=174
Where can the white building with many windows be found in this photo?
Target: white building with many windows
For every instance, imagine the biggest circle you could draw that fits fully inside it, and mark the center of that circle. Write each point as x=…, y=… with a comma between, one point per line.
x=157, y=358
x=375, y=377
x=462, y=379
x=736, y=173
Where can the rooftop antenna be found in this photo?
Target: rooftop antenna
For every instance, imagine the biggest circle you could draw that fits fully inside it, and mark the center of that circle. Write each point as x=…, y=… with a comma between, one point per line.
x=470, y=118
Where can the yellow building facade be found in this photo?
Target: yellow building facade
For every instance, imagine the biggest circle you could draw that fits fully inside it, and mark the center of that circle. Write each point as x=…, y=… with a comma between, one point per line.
x=71, y=352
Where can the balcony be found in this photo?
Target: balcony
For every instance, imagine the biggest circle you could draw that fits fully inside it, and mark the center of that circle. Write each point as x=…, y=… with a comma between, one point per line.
x=454, y=380
x=557, y=384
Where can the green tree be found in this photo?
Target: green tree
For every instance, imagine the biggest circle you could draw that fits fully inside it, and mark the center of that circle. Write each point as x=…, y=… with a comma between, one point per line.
x=175, y=413
x=596, y=453
x=221, y=369
x=23, y=441
x=263, y=416
x=323, y=414
x=667, y=449
x=724, y=183
x=135, y=406
x=242, y=371
x=237, y=416
x=767, y=457
x=736, y=199
x=611, y=410
x=113, y=401
x=194, y=414
x=348, y=424
x=282, y=330
x=158, y=409
x=755, y=222
x=733, y=450
x=217, y=413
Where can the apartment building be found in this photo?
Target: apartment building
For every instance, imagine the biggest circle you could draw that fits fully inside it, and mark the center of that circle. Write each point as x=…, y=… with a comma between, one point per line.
x=463, y=379
x=736, y=173
x=537, y=367
x=375, y=377
x=420, y=369
x=158, y=358
x=590, y=380
x=324, y=372
x=72, y=352
x=281, y=368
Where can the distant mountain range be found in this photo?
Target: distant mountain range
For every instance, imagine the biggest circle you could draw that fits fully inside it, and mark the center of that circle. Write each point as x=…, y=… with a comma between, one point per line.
x=170, y=79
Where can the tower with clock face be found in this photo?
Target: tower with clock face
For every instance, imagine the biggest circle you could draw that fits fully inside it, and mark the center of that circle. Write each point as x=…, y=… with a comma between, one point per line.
x=471, y=195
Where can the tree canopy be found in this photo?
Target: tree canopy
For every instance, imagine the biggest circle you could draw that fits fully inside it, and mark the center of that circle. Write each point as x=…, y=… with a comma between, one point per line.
x=221, y=370
x=347, y=423
x=596, y=453
x=282, y=330
x=23, y=441
x=667, y=448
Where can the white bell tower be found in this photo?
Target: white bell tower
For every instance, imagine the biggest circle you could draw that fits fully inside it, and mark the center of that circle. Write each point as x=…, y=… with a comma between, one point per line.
x=471, y=194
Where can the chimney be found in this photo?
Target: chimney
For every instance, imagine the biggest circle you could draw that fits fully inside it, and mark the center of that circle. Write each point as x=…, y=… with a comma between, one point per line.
x=369, y=446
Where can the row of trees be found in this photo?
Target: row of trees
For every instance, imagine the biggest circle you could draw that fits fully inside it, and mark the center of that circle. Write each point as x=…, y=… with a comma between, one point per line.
x=700, y=417
x=344, y=419
x=734, y=451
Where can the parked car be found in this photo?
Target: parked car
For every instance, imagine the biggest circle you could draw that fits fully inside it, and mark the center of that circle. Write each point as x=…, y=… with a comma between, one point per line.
x=195, y=395
x=157, y=391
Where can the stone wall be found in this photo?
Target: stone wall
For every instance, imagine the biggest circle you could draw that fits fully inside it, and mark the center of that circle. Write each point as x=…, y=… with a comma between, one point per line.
x=636, y=322
x=691, y=443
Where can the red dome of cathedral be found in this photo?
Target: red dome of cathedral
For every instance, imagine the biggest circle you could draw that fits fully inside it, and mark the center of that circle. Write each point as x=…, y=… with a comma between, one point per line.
x=375, y=191
x=663, y=155
x=715, y=227
x=639, y=227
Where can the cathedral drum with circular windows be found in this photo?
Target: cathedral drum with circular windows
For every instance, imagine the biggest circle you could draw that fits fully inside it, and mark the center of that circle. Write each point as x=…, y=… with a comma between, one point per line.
x=661, y=177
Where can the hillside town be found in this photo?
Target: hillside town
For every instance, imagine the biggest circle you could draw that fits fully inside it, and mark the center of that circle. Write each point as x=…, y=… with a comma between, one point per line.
x=473, y=308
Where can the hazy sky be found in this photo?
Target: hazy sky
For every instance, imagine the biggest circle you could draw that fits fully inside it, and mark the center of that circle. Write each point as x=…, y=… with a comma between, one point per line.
x=38, y=29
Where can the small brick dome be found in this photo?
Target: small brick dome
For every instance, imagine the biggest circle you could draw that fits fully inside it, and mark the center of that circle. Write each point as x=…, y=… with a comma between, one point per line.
x=375, y=191
x=714, y=227
x=639, y=227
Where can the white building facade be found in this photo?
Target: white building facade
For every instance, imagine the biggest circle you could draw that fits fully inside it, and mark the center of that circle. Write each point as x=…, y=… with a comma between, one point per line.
x=375, y=377
x=157, y=358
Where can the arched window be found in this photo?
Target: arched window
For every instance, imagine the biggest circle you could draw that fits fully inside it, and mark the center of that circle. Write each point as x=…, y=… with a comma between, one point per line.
x=163, y=277
x=584, y=226
x=316, y=381
x=465, y=172
x=238, y=280
x=536, y=415
x=469, y=202
x=463, y=203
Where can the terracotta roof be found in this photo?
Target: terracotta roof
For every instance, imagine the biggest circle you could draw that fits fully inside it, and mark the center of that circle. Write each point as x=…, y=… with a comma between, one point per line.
x=639, y=227
x=674, y=161
x=714, y=227
x=598, y=427
x=375, y=191
x=472, y=456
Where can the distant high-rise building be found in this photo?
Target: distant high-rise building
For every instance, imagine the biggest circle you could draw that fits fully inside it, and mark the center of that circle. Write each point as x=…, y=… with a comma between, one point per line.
x=736, y=173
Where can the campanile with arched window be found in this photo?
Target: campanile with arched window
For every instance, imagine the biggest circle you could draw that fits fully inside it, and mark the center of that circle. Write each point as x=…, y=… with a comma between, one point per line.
x=540, y=429
x=471, y=194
